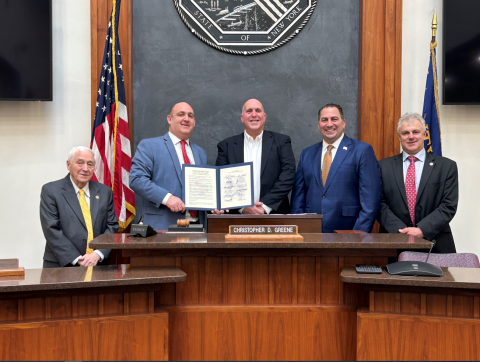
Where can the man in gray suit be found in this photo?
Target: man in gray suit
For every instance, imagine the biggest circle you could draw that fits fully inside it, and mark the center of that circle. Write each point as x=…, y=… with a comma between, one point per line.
x=156, y=173
x=73, y=211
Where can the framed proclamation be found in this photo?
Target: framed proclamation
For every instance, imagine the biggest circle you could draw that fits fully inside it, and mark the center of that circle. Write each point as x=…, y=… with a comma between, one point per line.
x=217, y=187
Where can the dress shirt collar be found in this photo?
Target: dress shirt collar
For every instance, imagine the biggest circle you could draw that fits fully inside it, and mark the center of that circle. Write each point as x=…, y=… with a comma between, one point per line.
x=175, y=139
x=250, y=139
x=420, y=155
x=86, y=188
x=334, y=144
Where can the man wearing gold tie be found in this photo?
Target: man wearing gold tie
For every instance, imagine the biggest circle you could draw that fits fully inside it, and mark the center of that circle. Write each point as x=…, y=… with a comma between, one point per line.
x=73, y=211
x=338, y=177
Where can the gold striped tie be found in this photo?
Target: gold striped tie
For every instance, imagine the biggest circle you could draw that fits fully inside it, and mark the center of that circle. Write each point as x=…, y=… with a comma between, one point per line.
x=88, y=219
x=88, y=274
x=327, y=162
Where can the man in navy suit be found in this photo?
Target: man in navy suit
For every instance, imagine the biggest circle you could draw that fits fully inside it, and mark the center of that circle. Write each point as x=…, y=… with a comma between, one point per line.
x=156, y=173
x=338, y=177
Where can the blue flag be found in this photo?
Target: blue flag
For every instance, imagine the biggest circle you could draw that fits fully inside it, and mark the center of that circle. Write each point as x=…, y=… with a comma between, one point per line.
x=431, y=110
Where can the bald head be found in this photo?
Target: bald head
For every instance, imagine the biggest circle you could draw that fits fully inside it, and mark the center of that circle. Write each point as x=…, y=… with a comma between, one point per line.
x=253, y=117
x=181, y=120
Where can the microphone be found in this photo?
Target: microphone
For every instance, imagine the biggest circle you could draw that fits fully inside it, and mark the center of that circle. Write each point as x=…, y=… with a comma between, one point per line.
x=433, y=244
x=141, y=230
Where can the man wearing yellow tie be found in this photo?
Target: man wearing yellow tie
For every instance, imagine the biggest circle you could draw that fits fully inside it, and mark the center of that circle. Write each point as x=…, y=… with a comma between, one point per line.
x=73, y=211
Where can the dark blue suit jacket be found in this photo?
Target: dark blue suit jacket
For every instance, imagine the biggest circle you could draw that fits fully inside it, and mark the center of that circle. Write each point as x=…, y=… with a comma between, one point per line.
x=351, y=197
x=155, y=172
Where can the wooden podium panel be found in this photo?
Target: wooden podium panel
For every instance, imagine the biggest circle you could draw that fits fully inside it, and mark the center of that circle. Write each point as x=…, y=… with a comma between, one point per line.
x=246, y=333
x=141, y=337
x=397, y=337
x=307, y=223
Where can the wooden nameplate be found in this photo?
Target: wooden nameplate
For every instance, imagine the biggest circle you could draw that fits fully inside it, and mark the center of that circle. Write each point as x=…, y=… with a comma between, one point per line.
x=264, y=233
x=9, y=267
x=265, y=238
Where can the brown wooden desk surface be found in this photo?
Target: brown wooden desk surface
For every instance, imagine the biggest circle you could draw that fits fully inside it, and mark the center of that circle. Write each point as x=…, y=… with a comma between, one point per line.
x=102, y=276
x=466, y=278
x=217, y=241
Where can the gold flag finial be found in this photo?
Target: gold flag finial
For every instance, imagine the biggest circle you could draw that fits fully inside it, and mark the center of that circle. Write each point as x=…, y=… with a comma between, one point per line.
x=434, y=26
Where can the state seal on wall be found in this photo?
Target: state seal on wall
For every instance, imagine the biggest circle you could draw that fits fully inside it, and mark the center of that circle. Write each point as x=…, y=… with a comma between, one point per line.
x=245, y=27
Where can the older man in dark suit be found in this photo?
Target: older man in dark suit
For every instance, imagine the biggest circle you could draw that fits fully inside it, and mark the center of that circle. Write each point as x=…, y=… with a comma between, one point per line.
x=73, y=211
x=420, y=190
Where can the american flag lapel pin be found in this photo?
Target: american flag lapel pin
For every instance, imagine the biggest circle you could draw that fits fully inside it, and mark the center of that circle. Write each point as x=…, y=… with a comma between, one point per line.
x=345, y=148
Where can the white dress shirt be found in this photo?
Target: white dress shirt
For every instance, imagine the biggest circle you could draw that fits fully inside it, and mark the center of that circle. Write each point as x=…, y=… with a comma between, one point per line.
x=177, y=143
x=86, y=188
x=252, y=152
x=418, y=166
x=335, y=145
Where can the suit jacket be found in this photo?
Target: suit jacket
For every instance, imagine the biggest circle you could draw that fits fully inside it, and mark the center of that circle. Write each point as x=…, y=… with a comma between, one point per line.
x=436, y=205
x=63, y=223
x=351, y=197
x=277, y=170
x=155, y=172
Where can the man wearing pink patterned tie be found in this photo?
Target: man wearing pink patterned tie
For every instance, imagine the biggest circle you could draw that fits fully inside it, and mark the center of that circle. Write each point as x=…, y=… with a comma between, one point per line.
x=420, y=190
x=156, y=174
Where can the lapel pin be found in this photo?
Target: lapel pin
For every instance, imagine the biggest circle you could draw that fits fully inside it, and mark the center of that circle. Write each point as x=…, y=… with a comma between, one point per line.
x=431, y=163
x=97, y=197
x=345, y=148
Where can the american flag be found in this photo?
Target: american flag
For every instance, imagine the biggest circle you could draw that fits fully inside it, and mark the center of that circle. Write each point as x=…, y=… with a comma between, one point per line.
x=110, y=136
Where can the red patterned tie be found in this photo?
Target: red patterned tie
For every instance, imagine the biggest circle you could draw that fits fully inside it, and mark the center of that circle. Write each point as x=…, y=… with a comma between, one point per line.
x=186, y=160
x=410, y=188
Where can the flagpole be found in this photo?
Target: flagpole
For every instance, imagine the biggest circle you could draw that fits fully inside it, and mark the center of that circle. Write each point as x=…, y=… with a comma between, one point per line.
x=434, y=26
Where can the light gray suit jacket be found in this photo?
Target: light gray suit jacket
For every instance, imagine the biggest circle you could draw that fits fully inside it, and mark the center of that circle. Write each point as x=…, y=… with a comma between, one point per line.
x=63, y=223
x=156, y=172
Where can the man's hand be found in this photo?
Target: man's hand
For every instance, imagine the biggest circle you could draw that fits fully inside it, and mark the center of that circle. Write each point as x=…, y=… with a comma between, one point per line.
x=219, y=211
x=175, y=204
x=257, y=209
x=89, y=259
x=412, y=231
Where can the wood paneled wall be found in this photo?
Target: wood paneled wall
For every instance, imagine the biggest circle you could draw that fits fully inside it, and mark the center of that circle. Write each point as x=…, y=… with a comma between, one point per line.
x=380, y=65
x=380, y=75
x=260, y=280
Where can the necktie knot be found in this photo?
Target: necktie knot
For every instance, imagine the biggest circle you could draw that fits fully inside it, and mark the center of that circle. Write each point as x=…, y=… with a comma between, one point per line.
x=330, y=148
x=412, y=159
x=81, y=192
x=183, y=142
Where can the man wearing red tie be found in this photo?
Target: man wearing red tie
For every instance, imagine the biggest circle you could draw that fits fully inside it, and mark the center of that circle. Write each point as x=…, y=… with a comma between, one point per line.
x=156, y=174
x=420, y=190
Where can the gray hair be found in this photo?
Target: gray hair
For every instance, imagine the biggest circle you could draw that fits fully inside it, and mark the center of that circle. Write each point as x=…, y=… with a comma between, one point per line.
x=76, y=149
x=411, y=117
